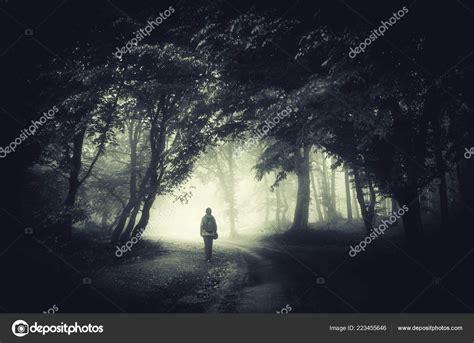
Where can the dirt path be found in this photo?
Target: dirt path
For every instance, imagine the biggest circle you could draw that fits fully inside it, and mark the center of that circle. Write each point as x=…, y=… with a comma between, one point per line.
x=179, y=280
x=277, y=276
x=243, y=278
x=258, y=288
x=310, y=275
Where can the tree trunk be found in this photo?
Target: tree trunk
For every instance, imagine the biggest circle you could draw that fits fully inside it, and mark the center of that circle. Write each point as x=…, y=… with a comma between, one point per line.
x=150, y=197
x=354, y=201
x=348, y=195
x=360, y=198
x=75, y=165
x=278, y=206
x=117, y=232
x=131, y=204
x=267, y=201
x=316, y=198
x=464, y=172
x=300, y=220
x=412, y=223
x=333, y=187
x=231, y=194
x=157, y=143
x=443, y=202
x=372, y=202
x=125, y=236
x=394, y=205
x=133, y=139
x=327, y=196
x=436, y=121
x=285, y=203
x=145, y=217
x=319, y=179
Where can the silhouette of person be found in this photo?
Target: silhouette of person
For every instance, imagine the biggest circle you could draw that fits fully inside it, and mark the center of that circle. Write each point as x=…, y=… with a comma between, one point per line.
x=208, y=232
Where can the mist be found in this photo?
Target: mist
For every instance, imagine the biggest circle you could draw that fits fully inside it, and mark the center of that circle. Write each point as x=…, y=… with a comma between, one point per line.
x=337, y=159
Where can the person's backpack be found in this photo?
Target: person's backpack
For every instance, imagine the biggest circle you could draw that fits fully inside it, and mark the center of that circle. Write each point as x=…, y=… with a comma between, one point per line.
x=210, y=225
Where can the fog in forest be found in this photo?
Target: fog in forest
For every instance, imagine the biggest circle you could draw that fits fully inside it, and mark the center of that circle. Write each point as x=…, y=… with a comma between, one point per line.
x=245, y=204
x=340, y=177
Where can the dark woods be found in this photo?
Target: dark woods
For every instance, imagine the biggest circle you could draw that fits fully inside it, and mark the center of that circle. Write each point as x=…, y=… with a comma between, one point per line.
x=132, y=126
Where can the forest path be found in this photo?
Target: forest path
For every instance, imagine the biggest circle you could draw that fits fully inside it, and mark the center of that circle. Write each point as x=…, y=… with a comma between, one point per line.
x=311, y=273
x=245, y=276
x=176, y=278
x=292, y=276
x=258, y=288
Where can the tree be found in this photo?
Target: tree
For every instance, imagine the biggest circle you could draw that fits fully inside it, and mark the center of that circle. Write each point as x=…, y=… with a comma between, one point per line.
x=169, y=83
x=348, y=195
x=85, y=113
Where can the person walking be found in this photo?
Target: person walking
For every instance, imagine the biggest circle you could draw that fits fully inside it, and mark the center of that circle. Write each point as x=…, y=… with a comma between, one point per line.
x=208, y=232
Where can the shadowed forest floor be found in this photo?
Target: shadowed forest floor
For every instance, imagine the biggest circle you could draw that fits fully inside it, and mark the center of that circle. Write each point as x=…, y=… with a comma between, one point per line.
x=309, y=271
